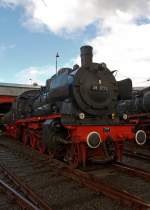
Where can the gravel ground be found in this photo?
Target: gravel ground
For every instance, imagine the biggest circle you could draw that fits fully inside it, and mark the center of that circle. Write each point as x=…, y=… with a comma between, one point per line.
x=132, y=184
x=145, y=165
x=145, y=149
x=61, y=193
x=5, y=205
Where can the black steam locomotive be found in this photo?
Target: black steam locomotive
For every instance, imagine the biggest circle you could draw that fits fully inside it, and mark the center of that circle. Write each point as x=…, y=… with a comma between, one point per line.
x=139, y=103
x=90, y=90
x=74, y=115
x=137, y=110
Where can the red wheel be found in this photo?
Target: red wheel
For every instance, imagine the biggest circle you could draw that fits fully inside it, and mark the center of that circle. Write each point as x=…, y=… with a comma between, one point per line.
x=25, y=137
x=33, y=141
x=73, y=156
x=42, y=148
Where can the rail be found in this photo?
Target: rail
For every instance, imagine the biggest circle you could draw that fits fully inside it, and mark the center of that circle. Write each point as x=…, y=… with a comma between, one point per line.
x=31, y=199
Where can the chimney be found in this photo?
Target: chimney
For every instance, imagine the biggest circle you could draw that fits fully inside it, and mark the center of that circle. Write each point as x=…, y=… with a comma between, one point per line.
x=86, y=55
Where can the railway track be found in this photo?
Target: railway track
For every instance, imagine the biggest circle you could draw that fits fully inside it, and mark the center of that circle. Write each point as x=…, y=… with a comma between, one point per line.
x=137, y=155
x=45, y=178
x=132, y=170
x=137, y=152
x=54, y=182
x=4, y=204
x=17, y=197
x=23, y=195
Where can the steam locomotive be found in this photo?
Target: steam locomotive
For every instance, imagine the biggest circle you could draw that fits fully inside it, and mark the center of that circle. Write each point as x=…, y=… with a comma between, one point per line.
x=137, y=110
x=139, y=103
x=74, y=117
x=91, y=89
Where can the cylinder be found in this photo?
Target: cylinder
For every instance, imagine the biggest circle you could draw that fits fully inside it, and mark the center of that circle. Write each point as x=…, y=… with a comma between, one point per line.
x=86, y=55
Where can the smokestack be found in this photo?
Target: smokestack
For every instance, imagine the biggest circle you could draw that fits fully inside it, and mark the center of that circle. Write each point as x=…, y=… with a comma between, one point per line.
x=86, y=55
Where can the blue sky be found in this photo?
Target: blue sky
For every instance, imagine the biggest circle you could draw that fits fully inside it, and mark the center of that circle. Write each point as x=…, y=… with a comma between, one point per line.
x=31, y=34
x=21, y=48
x=35, y=48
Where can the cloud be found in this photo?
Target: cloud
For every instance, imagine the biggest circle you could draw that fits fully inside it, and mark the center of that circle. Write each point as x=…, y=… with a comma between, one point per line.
x=123, y=30
x=125, y=46
x=4, y=47
x=65, y=15
x=34, y=75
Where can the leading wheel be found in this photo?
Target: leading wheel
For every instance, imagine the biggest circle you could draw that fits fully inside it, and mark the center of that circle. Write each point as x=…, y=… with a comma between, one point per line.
x=73, y=155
